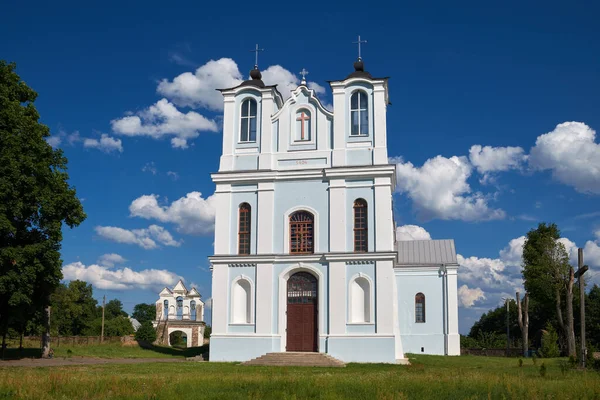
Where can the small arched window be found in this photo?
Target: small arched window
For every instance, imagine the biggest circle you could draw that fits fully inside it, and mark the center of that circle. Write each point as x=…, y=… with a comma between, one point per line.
x=241, y=312
x=248, y=121
x=193, y=310
x=361, y=236
x=244, y=229
x=419, y=307
x=360, y=301
x=302, y=233
x=179, y=307
x=359, y=113
x=166, y=309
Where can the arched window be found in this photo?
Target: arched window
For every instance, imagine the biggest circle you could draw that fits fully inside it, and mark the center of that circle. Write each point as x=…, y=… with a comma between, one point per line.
x=244, y=229
x=360, y=300
x=179, y=307
x=193, y=310
x=361, y=236
x=241, y=301
x=359, y=113
x=420, y=307
x=248, y=121
x=166, y=309
x=302, y=232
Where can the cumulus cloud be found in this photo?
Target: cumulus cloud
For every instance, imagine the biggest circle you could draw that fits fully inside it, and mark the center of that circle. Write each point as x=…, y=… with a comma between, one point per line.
x=102, y=277
x=109, y=260
x=513, y=252
x=412, y=232
x=192, y=214
x=106, y=144
x=468, y=297
x=490, y=159
x=571, y=153
x=286, y=81
x=146, y=238
x=164, y=119
x=439, y=189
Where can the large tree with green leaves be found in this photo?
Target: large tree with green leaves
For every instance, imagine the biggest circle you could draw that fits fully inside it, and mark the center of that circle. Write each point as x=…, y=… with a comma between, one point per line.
x=144, y=312
x=74, y=309
x=35, y=201
x=549, y=278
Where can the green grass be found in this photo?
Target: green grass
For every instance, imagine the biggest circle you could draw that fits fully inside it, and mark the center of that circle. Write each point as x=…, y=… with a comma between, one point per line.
x=429, y=377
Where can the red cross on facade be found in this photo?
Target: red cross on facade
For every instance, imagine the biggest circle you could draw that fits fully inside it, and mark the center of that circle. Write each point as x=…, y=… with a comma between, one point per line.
x=302, y=118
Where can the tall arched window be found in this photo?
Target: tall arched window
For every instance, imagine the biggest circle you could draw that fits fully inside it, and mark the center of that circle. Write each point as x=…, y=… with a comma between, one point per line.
x=361, y=235
x=302, y=233
x=193, y=310
x=248, y=121
x=241, y=301
x=420, y=307
x=179, y=307
x=360, y=300
x=359, y=113
x=244, y=229
x=166, y=309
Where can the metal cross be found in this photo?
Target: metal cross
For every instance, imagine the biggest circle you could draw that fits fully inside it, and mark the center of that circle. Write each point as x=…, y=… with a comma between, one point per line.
x=256, y=50
x=303, y=73
x=359, y=43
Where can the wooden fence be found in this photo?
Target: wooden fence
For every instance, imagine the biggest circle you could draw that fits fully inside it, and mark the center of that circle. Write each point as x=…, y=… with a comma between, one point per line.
x=512, y=352
x=57, y=341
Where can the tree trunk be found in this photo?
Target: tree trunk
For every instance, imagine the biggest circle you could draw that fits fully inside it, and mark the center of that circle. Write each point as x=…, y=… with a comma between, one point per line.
x=46, y=334
x=571, y=347
x=523, y=319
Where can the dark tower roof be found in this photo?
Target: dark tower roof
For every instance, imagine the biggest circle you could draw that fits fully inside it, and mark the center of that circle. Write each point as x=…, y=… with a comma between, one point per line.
x=256, y=79
x=359, y=70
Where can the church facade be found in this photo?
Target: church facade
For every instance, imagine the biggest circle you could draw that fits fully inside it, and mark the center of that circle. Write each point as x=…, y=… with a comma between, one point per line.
x=305, y=251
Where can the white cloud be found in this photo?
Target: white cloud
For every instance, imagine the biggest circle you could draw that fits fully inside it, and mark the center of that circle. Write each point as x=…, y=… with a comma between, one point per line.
x=150, y=167
x=145, y=238
x=512, y=254
x=163, y=119
x=54, y=141
x=192, y=214
x=468, y=297
x=490, y=159
x=439, y=189
x=571, y=153
x=105, y=144
x=109, y=260
x=102, y=277
x=412, y=232
x=173, y=175
x=286, y=81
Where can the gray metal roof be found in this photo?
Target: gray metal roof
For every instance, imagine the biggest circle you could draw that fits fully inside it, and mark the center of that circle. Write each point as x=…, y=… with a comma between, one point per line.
x=418, y=252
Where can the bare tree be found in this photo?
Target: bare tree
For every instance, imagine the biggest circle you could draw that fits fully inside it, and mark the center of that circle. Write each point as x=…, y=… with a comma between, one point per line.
x=523, y=318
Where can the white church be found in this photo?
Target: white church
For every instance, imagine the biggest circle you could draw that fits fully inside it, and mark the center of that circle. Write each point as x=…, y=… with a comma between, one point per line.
x=306, y=258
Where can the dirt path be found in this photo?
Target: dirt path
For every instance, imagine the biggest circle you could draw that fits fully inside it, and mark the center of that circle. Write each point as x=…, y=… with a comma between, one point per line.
x=55, y=362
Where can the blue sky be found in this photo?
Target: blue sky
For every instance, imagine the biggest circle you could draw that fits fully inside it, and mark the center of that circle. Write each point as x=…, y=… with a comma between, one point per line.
x=127, y=91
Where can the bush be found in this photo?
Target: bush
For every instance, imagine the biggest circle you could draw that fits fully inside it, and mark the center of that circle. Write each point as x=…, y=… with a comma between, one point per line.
x=550, y=342
x=543, y=370
x=146, y=333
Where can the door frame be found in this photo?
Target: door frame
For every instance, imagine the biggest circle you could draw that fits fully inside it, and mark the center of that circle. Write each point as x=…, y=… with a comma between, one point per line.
x=282, y=316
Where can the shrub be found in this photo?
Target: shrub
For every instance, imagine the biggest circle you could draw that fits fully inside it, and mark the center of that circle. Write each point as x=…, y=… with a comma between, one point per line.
x=550, y=342
x=520, y=362
x=146, y=333
x=543, y=370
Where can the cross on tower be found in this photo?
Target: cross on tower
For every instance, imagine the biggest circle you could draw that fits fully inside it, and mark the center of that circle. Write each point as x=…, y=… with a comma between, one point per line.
x=303, y=73
x=304, y=117
x=256, y=50
x=359, y=43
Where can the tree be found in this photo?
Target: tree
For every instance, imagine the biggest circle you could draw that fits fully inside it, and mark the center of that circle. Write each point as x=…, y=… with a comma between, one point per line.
x=35, y=201
x=592, y=315
x=118, y=326
x=114, y=309
x=549, y=278
x=494, y=321
x=74, y=308
x=523, y=319
x=146, y=333
x=144, y=312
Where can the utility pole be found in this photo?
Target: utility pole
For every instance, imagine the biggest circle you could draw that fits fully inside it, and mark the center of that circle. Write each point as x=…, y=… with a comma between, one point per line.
x=581, y=269
x=102, y=332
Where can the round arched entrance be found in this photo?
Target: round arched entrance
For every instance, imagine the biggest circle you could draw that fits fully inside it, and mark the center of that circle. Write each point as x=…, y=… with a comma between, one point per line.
x=302, y=312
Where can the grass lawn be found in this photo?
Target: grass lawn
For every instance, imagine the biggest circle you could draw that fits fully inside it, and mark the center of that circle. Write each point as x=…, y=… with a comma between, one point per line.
x=429, y=377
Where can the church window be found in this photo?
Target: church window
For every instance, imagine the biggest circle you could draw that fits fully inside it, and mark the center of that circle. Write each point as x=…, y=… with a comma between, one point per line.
x=248, y=121
x=193, y=310
x=360, y=301
x=241, y=311
x=420, y=307
x=359, y=113
x=166, y=309
x=244, y=229
x=179, y=307
x=361, y=237
x=303, y=125
x=302, y=232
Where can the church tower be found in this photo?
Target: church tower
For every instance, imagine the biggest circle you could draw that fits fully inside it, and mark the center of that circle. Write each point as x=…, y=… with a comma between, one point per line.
x=304, y=231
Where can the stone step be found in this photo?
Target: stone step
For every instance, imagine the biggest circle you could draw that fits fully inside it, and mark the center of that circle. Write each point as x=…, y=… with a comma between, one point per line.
x=304, y=359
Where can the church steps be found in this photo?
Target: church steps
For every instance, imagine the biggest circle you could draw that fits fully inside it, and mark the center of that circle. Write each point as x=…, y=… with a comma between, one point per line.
x=301, y=359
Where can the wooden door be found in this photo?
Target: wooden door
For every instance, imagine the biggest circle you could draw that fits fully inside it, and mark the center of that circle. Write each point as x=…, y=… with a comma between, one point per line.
x=302, y=311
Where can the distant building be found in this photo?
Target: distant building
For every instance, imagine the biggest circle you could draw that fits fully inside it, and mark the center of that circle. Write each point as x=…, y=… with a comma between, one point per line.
x=180, y=310
x=135, y=323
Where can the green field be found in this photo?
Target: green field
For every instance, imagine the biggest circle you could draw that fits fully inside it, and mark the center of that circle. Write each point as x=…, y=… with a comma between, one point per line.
x=429, y=377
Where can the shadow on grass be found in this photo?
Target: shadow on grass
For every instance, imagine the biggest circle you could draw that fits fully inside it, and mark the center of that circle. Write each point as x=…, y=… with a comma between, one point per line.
x=17, y=354
x=179, y=352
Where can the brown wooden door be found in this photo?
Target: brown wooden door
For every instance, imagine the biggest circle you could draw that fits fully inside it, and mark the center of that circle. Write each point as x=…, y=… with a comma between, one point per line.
x=302, y=322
